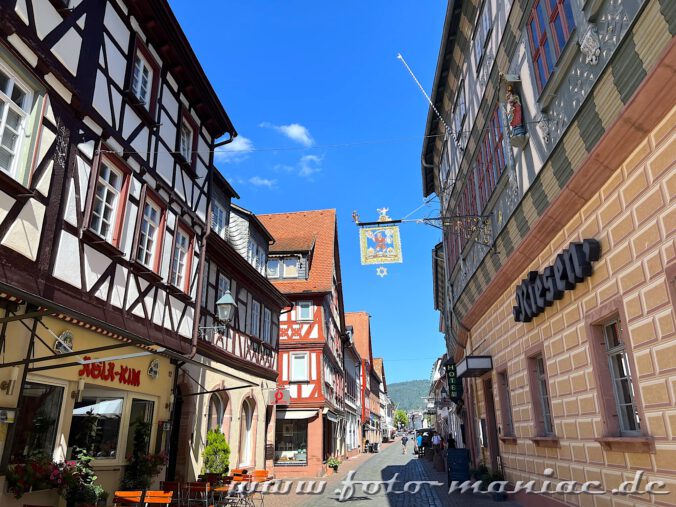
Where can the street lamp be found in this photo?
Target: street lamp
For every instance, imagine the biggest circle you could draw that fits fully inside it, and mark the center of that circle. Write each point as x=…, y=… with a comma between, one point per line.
x=225, y=307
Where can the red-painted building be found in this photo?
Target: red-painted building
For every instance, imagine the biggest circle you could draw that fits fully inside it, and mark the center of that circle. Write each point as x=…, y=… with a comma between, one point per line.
x=304, y=265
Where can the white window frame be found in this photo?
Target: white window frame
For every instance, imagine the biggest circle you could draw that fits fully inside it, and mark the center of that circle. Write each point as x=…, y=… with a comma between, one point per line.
x=115, y=207
x=297, y=259
x=183, y=148
x=293, y=376
x=178, y=276
x=24, y=113
x=277, y=273
x=60, y=446
x=136, y=83
x=255, y=318
x=459, y=112
x=142, y=249
x=262, y=263
x=218, y=220
x=302, y=305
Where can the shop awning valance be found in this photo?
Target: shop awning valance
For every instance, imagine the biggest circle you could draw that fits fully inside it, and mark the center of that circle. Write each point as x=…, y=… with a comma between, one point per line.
x=331, y=416
x=296, y=414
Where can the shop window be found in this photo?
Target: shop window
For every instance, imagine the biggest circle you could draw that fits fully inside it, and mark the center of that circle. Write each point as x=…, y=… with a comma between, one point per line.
x=247, y=433
x=215, y=414
x=505, y=404
x=539, y=390
x=291, y=438
x=108, y=201
x=304, y=310
x=96, y=424
x=181, y=260
x=298, y=369
x=549, y=27
x=41, y=405
x=150, y=234
x=141, y=413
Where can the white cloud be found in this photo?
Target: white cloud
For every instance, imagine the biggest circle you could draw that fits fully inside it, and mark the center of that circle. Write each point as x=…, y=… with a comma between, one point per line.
x=308, y=165
x=234, y=152
x=294, y=131
x=262, y=182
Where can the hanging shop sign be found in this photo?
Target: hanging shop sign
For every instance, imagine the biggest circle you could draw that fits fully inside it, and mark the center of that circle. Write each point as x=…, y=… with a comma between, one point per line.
x=380, y=245
x=280, y=396
x=111, y=372
x=540, y=290
x=454, y=383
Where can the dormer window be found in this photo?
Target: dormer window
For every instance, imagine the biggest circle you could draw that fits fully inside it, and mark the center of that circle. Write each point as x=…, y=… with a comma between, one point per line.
x=273, y=268
x=291, y=265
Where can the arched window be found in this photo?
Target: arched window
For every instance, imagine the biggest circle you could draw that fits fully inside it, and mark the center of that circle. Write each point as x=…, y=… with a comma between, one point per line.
x=215, y=419
x=246, y=442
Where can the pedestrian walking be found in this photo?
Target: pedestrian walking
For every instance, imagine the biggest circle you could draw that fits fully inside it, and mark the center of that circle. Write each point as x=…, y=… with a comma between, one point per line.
x=436, y=443
x=404, y=441
x=419, y=445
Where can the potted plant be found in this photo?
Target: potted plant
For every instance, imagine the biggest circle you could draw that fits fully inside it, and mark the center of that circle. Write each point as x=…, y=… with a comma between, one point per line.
x=101, y=496
x=333, y=463
x=301, y=453
x=498, y=496
x=216, y=454
x=142, y=466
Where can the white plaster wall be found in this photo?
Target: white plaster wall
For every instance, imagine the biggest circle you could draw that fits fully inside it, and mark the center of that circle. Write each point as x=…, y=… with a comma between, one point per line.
x=67, y=263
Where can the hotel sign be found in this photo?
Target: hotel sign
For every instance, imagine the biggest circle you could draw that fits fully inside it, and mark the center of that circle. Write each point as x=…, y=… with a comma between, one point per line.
x=540, y=290
x=454, y=383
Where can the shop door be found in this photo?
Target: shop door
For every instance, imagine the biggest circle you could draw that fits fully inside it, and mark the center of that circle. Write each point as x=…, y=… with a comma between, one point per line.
x=174, y=439
x=491, y=422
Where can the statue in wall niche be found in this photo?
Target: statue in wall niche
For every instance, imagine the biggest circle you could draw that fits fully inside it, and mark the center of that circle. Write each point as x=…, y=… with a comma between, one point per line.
x=517, y=128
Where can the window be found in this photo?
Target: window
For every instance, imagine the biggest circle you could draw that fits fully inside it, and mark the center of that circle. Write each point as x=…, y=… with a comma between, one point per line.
x=491, y=160
x=222, y=287
x=505, y=404
x=15, y=105
x=180, y=265
x=215, y=416
x=540, y=396
x=261, y=260
x=106, y=217
x=218, y=220
x=304, y=310
x=549, y=27
x=141, y=414
x=273, y=268
x=247, y=433
x=149, y=234
x=186, y=139
x=299, y=367
x=142, y=79
x=482, y=31
x=101, y=412
x=291, y=265
x=255, y=318
x=291, y=442
x=41, y=405
x=267, y=322
x=459, y=111
x=620, y=374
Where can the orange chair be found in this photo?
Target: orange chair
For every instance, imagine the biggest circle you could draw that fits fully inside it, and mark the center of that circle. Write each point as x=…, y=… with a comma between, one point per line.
x=142, y=498
x=157, y=497
x=127, y=497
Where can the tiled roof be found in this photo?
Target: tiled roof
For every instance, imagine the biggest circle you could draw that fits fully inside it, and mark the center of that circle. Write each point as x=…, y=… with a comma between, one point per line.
x=301, y=228
x=292, y=244
x=361, y=333
x=379, y=366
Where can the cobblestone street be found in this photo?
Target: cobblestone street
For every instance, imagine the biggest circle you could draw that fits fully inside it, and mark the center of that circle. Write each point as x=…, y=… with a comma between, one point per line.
x=384, y=466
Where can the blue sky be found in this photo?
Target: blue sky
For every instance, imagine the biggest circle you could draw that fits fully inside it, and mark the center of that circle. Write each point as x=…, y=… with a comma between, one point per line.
x=329, y=118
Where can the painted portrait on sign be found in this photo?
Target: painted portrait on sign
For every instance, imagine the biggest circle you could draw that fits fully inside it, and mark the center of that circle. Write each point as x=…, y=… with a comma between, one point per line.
x=380, y=245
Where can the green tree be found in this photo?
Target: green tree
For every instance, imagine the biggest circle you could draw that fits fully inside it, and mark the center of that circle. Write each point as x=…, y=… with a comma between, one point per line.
x=216, y=455
x=400, y=419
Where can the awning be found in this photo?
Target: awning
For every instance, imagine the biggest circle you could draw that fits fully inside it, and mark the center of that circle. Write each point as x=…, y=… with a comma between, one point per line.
x=330, y=415
x=107, y=408
x=296, y=414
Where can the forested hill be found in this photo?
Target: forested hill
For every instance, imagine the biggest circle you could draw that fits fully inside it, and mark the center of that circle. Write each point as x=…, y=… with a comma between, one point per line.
x=408, y=395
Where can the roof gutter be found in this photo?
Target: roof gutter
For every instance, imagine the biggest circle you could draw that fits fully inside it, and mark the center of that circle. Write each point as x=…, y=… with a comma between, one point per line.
x=200, y=269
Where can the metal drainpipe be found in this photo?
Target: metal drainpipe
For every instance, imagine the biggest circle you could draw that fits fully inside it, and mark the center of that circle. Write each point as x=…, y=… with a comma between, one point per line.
x=200, y=269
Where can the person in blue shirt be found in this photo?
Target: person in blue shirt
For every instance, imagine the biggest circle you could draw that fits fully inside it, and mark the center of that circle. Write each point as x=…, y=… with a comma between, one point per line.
x=419, y=443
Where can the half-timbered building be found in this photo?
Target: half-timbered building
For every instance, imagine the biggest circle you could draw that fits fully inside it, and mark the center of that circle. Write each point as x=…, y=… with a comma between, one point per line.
x=304, y=264
x=551, y=147
x=352, y=365
x=237, y=399
x=108, y=125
